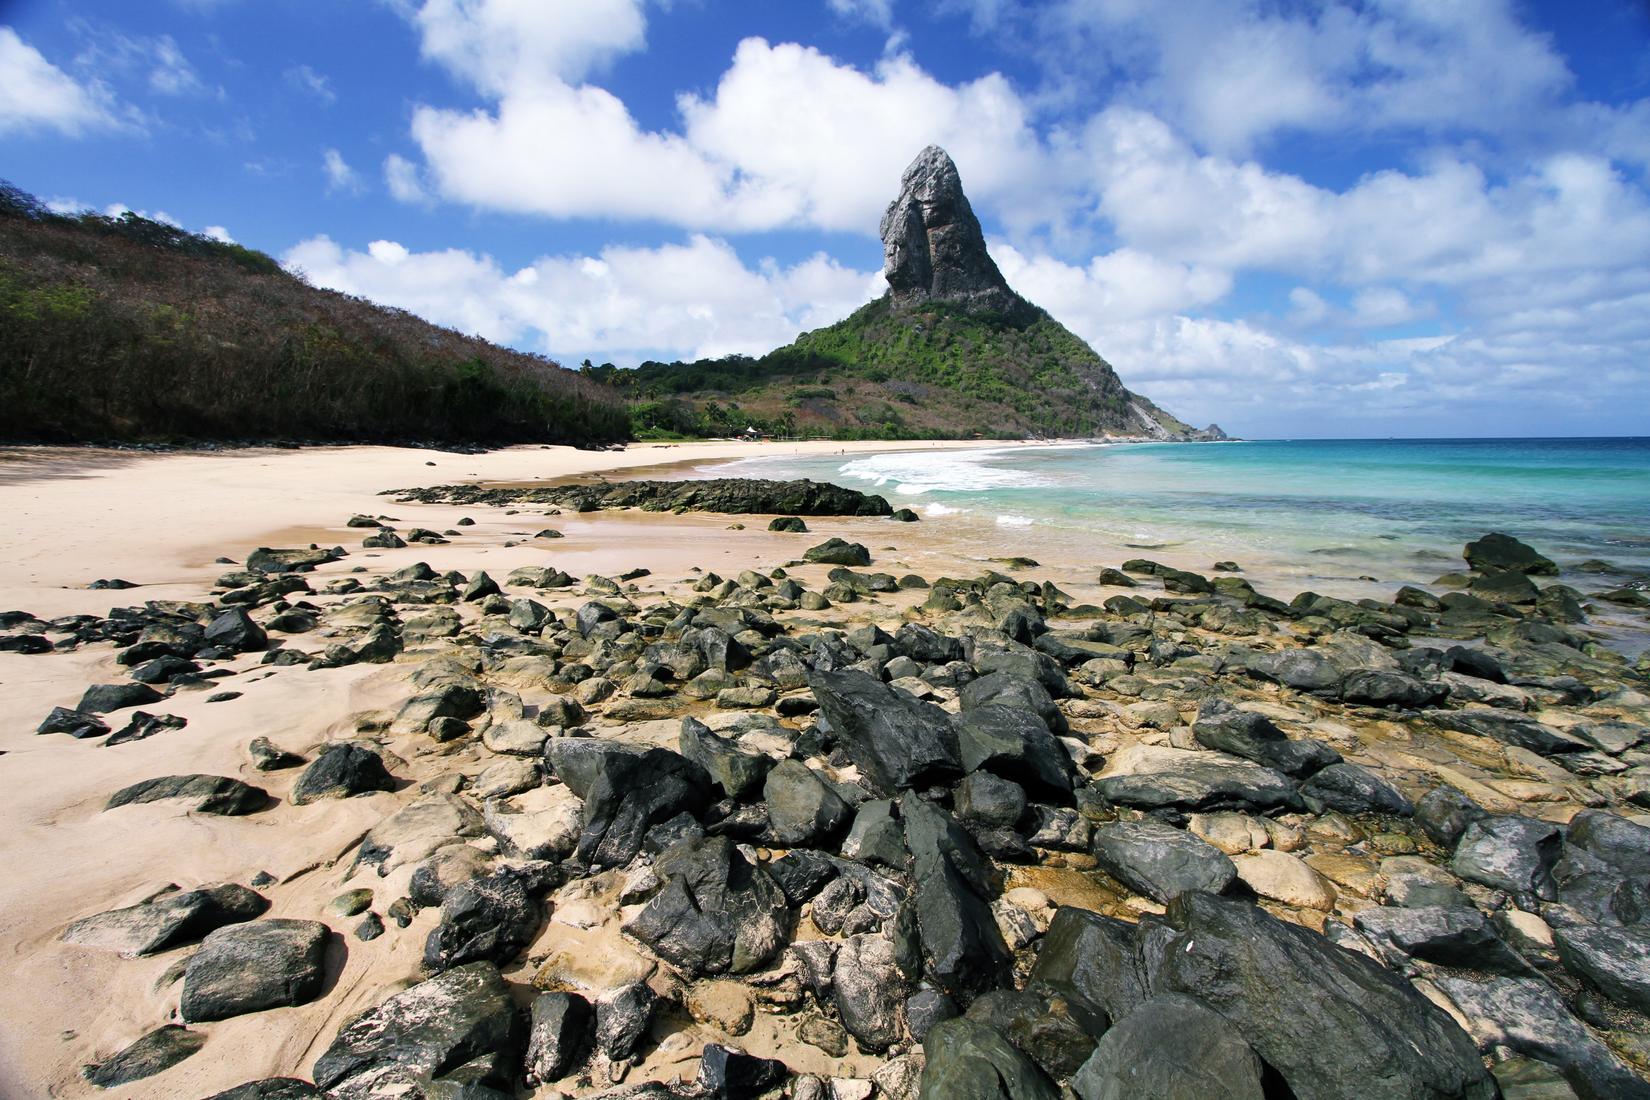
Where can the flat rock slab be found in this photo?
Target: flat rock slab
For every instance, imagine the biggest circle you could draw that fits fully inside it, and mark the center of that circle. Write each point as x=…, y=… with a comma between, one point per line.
x=172, y=918
x=1159, y=860
x=251, y=967
x=207, y=794
x=156, y=1052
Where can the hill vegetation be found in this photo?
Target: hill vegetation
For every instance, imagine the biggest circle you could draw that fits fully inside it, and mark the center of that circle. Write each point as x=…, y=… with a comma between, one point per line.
x=126, y=329
x=936, y=370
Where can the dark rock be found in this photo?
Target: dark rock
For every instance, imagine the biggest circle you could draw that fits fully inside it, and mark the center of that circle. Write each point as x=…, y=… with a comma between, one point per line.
x=1379, y=687
x=739, y=773
x=801, y=874
x=1301, y=669
x=835, y=551
x=734, y=496
x=985, y=799
x=877, y=836
x=1615, y=960
x=1526, y=1015
x=1496, y=551
x=1226, y=728
x=715, y=913
x=266, y=757
x=1171, y=1048
x=103, y=698
x=1623, y=844
x=934, y=248
x=1510, y=853
x=869, y=991
x=1331, y=1022
x=235, y=630
x=484, y=919
x=343, y=769
x=460, y=1022
x=791, y=524
x=168, y=920
x=905, y=515
x=1045, y=1026
x=1444, y=813
x=266, y=560
x=271, y=1088
x=1448, y=936
x=927, y=1007
x=1508, y=727
x=622, y=1020
x=1194, y=784
x=1352, y=789
x=963, y=950
x=156, y=1052
x=898, y=742
x=1016, y=744
x=144, y=725
x=927, y=646
x=1161, y=861
x=734, y=1075
x=967, y=1060
x=1504, y=586
x=1093, y=960
x=245, y=968
x=162, y=669
x=560, y=1037
x=207, y=794
x=74, y=723
x=803, y=809
x=629, y=793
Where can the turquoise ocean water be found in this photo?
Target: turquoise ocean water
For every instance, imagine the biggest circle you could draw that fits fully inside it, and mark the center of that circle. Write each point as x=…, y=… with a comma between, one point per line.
x=1399, y=509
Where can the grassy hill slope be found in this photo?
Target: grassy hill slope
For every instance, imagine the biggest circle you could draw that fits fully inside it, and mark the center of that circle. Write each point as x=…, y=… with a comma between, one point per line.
x=897, y=372
x=123, y=330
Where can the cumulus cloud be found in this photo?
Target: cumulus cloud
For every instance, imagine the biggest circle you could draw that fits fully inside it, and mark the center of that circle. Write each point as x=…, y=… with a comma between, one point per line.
x=401, y=177
x=693, y=299
x=519, y=46
x=37, y=95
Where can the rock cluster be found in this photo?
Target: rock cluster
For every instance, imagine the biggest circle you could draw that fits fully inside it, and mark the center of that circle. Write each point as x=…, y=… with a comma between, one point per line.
x=734, y=496
x=973, y=838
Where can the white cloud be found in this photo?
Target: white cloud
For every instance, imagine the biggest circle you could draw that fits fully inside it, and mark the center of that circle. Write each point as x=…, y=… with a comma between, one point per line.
x=1124, y=285
x=401, y=177
x=156, y=60
x=37, y=95
x=694, y=299
x=517, y=46
x=218, y=233
x=340, y=176
x=305, y=79
x=878, y=13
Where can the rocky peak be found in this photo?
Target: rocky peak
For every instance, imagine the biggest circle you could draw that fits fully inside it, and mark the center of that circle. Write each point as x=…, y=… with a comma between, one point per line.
x=934, y=246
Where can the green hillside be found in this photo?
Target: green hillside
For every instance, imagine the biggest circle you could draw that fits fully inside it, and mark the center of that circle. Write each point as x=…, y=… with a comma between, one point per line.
x=127, y=330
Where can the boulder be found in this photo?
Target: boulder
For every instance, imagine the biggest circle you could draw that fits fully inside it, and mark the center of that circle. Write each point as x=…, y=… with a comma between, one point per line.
x=1152, y=778
x=341, y=770
x=1615, y=960
x=728, y=1074
x=1302, y=669
x=245, y=968
x=962, y=948
x=1444, y=814
x=803, y=809
x=1448, y=936
x=1171, y=1048
x=629, y=792
x=1352, y=789
x=1511, y=853
x=1329, y=1021
x=1285, y=878
x=1527, y=1016
x=623, y=1017
x=1622, y=844
x=967, y=1060
x=1052, y=1031
x=103, y=698
x=1226, y=728
x=898, y=742
x=1160, y=861
x=983, y=799
x=74, y=723
x=1496, y=552
x=738, y=773
x=235, y=630
x=461, y=1022
x=485, y=919
x=1093, y=960
x=715, y=913
x=419, y=829
x=1509, y=727
x=271, y=1088
x=869, y=990
x=835, y=551
x=168, y=920
x=559, y=1037
x=206, y=794
x=1016, y=744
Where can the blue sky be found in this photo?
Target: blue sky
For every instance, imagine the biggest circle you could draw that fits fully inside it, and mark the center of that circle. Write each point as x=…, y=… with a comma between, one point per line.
x=1392, y=217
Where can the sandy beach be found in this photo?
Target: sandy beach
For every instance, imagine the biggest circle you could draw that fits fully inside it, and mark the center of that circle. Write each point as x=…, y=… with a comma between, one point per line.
x=172, y=523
